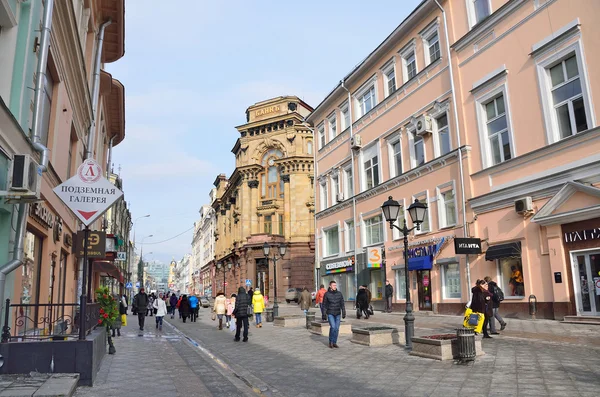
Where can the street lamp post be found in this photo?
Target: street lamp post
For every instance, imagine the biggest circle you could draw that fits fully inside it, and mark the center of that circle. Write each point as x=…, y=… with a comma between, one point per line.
x=266, y=249
x=224, y=267
x=141, y=263
x=417, y=212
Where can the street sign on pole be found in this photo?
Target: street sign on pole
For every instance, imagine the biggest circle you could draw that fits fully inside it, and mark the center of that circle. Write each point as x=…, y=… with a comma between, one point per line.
x=88, y=194
x=248, y=282
x=137, y=284
x=121, y=256
x=129, y=285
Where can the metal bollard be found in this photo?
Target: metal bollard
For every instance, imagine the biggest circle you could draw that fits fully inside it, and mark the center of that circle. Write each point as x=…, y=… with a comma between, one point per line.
x=465, y=344
x=532, y=306
x=269, y=314
x=310, y=317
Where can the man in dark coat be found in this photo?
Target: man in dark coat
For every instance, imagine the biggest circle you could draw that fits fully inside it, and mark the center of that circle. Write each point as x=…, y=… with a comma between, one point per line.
x=389, y=293
x=362, y=303
x=240, y=311
x=140, y=303
x=335, y=308
x=173, y=303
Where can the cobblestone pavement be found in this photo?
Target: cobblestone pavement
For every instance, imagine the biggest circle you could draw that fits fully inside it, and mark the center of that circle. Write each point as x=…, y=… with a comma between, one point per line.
x=532, y=358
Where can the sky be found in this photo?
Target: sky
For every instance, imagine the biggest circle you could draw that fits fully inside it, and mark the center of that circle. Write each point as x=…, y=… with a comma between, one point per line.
x=191, y=69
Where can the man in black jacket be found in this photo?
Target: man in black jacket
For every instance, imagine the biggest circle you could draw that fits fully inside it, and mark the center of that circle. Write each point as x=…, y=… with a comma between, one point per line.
x=140, y=303
x=389, y=292
x=334, y=307
x=240, y=311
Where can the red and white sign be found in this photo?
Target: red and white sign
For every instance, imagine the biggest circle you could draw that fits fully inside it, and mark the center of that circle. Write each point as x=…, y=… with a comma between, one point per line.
x=88, y=194
x=225, y=283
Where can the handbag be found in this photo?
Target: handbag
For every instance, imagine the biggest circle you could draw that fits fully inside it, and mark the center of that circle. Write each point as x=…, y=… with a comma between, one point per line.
x=469, y=319
x=124, y=320
x=250, y=311
x=358, y=313
x=214, y=316
x=370, y=310
x=473, y=319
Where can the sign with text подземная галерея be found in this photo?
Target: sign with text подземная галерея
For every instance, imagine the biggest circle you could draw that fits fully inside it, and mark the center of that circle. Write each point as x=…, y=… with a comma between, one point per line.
x=88, y=194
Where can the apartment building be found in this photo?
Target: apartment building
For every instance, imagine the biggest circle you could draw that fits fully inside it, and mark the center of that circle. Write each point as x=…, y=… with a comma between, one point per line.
x=492, y=125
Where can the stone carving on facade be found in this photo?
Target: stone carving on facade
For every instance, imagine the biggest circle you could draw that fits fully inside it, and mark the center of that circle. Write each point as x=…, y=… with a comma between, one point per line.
x=253, y=184
x=285, y=178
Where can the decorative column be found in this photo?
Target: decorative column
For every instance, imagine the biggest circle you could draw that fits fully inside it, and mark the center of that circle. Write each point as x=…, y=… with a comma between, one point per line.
x=287, y=197
x=253, y=185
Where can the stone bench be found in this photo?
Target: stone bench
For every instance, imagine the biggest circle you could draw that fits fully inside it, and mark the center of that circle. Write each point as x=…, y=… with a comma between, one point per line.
x=290, y=321
x=377, y=336
x=319, y=328
x=441, y=349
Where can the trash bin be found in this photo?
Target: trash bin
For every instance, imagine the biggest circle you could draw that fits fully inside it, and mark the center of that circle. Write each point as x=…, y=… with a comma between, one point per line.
x=269, y=314
x=310, y=317
x=465, y=344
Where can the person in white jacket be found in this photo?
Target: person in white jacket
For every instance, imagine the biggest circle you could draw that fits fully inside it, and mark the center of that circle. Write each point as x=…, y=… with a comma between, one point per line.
x=161, y=310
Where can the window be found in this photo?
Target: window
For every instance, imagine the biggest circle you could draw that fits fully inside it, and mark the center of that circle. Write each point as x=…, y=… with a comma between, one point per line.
x=331, y=242
x=396, y=234
x=335, y=189
x=425, y=226
x=511, y=275
x=321, y=130
x=419, y=150
x=348, y=182
x=309, y=147
x=323, y=198
x=567, y=97
x=497, y=130
x=370, y=167
x=443, y=134
x=373, y=230
x=434, y=47
x=367, y=101
x=451, y=281
x=345, y=120
x=268, y=224
x=446, y=205
x=480, y=10
x=350, y=236
x=332, y=126
x=389, y=78
x=400, y=286
x=46, y=107
x=395, y=158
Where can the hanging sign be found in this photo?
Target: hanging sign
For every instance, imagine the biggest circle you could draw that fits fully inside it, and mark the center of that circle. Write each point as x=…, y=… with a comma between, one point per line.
x=467, y=245
x=96, y=244
x=374, y=257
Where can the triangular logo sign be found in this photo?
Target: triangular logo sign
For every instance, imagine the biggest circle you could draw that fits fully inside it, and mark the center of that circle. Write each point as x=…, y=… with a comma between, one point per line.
x=87, y=215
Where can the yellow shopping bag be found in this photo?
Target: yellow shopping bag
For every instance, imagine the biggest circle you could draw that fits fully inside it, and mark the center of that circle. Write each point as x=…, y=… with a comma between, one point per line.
x=124, y=320
x=468, y=324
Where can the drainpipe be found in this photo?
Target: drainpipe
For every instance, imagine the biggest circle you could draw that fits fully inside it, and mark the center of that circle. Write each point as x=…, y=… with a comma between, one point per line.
x=110, y=148
x=458, y=141
x=96, y=89
x=353, y=182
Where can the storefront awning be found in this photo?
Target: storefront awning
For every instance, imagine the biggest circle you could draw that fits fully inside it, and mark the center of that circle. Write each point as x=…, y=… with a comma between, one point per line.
x=109, y=268
x=508, y=250
x=420, y=263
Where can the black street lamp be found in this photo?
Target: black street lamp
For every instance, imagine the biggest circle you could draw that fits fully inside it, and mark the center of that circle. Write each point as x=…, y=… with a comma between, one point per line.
x=266, y=250
x=224, y=267
x=417, y=212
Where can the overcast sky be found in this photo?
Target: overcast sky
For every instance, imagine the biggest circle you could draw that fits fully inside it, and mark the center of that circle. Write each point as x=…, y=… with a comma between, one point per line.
x=191, y=69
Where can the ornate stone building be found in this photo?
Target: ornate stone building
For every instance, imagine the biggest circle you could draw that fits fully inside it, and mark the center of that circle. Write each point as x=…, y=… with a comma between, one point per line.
x=268, y=198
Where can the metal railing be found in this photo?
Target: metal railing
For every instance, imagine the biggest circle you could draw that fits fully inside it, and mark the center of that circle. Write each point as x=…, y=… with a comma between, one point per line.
x=45, y=321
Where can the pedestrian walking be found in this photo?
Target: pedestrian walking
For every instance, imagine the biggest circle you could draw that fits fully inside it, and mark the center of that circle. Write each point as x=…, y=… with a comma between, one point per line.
x=140, y=304
x=481, y=302
x=178, y=304
x=258, y=305
x=161, y=310
x=117, y=323
x=319, y=301
x=150, y=308
x=335, y=308
x=362, y=303
x=230, y=306
x=240, y=311
x=305, y=300
x=173, y=303
x=184, y=308
x=193, y=307
x=389, y=293
x=497, y=297
x=250, y=293
x=220, y=307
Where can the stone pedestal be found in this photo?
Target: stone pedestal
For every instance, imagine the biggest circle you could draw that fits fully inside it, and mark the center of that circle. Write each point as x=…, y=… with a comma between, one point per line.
x=377, y=336
x=444, y=348
x=289, y=321
x=319, y=328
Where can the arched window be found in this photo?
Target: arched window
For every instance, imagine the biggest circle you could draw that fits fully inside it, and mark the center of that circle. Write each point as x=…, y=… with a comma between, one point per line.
x=271, y=182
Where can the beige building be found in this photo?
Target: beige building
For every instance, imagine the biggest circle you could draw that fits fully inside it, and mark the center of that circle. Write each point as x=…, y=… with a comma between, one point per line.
x=268, y=198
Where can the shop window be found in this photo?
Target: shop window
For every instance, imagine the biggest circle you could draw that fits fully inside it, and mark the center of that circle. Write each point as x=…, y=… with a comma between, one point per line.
x=511, y=274
x=331, y=241
x=400, y=286
x=373, y=230
x=451, y=281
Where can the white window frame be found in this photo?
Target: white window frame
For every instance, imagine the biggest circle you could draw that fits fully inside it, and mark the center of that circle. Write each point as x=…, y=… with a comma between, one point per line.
x=344, y=108
x=332, y=125
x=480, y=102
x=443, y=281
x=400, y=295
x=426, y=36
x=363, y=179
x=347, y=170
x=322, y=136
x=347, y=247
x=309, y=147
x=323, y=194
x=394, y=139
x=411, y=129
x=389, y=67
x=358, y=95
x=418, y=196
x=405, y=53
x=325, y=246
x=548, y=59
x=439, y=110
x=441, y=204
x=396, y=235
x=472, y=17
x=335, y=187
x=364, y=219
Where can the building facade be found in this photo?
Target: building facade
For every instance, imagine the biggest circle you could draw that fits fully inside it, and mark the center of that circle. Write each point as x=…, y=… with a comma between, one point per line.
x=468, y=117
x=268, y=198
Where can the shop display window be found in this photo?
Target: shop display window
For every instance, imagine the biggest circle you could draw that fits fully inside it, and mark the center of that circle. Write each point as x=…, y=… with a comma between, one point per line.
x=511, y=274
x=451, y=281
x=400, y=286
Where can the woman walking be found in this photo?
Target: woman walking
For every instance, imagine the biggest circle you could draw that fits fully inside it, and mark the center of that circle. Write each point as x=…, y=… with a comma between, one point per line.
x=362, y=303
x=230, y=307
x=481, y=302
x=242, y=301
x=184, y=308
x=258, y=302
x=161, y=310
x=220, y=307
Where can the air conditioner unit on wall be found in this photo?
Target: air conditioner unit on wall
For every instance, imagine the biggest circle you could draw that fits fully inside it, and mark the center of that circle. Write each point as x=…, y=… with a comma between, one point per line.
x=524, y=205
x=25, y=176
x=424, y=125
x=356, y=142
x=339, y=198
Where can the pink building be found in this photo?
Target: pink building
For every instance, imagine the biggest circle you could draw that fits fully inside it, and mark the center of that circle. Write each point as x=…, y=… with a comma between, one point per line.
x=501, y=143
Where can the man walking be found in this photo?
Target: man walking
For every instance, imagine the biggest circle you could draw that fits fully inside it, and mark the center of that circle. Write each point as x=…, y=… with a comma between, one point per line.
x=389, y=292
x=497, y=297
x=319, y=301
x=140, y=302
x=173, y=302
x=240, y=312
x=194, y=308
x=335, y=308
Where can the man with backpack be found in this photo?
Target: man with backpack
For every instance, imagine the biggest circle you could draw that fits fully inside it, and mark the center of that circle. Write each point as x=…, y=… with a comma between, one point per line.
x=497, y=297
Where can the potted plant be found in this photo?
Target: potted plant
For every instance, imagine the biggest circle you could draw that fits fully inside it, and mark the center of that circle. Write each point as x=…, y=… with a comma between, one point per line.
x=109, y=313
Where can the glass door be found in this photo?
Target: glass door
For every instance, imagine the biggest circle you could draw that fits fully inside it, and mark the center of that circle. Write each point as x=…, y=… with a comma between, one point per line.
x=424, y=289
x=586, y=275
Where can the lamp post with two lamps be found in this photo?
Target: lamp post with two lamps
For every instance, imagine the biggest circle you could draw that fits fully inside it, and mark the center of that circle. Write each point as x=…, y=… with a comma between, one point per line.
x=417, y=212
x=225, y=267
x=266, y=249
x=141, y=262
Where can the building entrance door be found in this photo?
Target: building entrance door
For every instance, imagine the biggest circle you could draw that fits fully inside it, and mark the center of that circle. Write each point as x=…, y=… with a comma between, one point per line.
x=262, y=276
x=586, y=280
x=424, y=289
